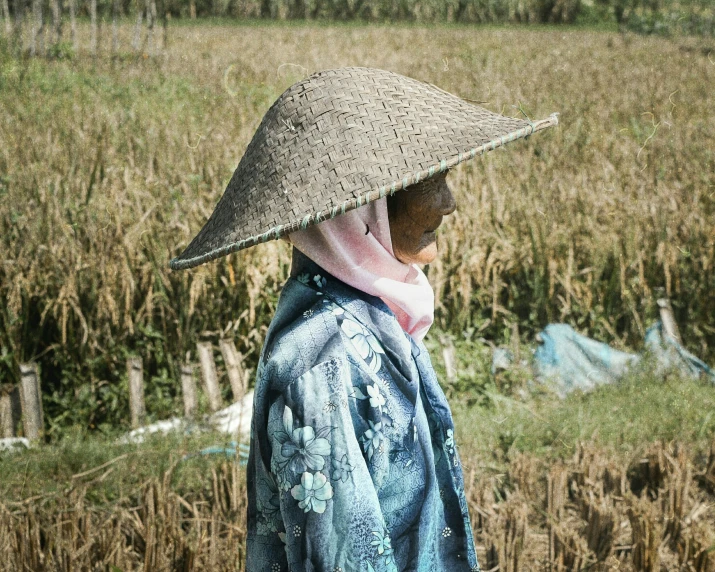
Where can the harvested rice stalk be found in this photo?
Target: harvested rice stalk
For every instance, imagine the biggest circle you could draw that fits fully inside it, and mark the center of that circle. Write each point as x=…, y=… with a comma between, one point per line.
x=571, y=551
x=505, y=534
x=647, y=530
x=600, y=530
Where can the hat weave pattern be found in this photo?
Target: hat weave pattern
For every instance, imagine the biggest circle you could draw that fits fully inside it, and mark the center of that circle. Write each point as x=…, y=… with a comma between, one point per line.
x=338, y=140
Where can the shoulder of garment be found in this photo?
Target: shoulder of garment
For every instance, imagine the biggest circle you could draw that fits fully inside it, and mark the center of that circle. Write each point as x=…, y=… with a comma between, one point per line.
x=313, y=325
x=305, y=332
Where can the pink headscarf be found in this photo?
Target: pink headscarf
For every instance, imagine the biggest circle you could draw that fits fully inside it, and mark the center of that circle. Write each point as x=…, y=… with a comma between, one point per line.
x=357, y=248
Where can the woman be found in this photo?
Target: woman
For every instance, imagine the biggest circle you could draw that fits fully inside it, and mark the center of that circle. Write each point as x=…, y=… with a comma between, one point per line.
x=353, y=464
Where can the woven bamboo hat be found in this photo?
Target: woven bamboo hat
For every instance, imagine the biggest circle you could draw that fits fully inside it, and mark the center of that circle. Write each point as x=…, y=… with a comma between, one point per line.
x=338, y=140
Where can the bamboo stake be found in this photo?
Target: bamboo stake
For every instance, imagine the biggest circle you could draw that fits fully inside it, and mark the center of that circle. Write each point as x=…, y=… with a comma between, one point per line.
x=115, y=27
x=7, y=427
x=8, y=20
x=100, y=30
x=449, y=355
x=234, y=368
x=150, y=22
x=73, y=25
x=208, y=374
x=93, y=23
x=36, y=43
x=10, y=412
x=165, y=23
x=670, y=326
x=515, y=342
x=17, y=30
x=135, y=373
x=31, y=401
x=136, y=41
x=188, y=390
x=56, y=7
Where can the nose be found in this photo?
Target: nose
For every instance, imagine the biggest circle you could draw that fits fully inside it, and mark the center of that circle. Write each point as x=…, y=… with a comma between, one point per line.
x=446, y=203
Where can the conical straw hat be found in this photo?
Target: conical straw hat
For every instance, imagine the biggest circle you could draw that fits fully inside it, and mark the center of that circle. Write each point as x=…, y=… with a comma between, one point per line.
x=338, y=140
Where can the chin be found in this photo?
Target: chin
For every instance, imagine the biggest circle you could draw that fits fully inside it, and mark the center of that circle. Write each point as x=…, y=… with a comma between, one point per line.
x=426, y=255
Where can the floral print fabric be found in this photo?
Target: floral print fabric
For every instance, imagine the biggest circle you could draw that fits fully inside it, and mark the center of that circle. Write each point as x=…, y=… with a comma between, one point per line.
x=353, y=464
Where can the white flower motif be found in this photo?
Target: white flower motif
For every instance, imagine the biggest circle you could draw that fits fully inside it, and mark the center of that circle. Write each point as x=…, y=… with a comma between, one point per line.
x=446, y=532
x=382, y=542
x=364, y=342
x=312, y=492
x=296, y=531
x=372, y=439
x=275, y=567
x=301, y=446
x=449, y=443
x=376, y=398
x=342, y=469
x=334, y=309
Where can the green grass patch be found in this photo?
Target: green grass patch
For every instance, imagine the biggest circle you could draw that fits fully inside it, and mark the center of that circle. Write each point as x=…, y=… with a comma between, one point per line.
x=624, y=417
x=108, y=469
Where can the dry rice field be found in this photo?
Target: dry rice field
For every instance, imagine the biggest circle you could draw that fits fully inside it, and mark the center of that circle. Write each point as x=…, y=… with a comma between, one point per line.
x=587, y=512
x=109, y=166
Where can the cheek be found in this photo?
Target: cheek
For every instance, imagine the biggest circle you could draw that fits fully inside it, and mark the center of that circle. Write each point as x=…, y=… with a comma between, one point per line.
x=412, y=238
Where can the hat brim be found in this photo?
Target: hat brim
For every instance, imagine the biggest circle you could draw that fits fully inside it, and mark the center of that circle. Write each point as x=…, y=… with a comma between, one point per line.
x=259, y=196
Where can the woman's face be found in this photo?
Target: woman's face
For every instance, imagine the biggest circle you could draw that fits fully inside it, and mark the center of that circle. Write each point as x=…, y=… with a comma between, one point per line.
x=414, y=215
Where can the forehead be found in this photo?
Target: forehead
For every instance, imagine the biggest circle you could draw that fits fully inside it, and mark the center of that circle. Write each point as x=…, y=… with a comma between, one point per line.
x=432, y=186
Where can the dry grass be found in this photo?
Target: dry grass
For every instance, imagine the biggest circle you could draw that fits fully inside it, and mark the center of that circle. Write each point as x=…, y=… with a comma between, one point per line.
x=109, y=167
x=593, y=511
x=152, y=528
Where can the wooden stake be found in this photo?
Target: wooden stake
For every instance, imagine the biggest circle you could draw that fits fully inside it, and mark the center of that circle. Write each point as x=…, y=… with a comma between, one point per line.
x=234, y=369
x=115, y=27
x=10, y=412
x=37, y=44
x=208, y=374
x=56, y=21
x=73, y=25
x=670, y=326
x=150, y=22
x=19, y=18
x=8, y=21
x=449, y=355
x=137, y=40
x=135, y=373
x=165, y=24
x=515, y=342
x=93, y=29
x=188, y=390
x=31, y=398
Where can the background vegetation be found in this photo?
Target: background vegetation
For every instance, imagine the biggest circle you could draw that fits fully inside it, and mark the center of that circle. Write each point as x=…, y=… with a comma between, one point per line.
x=108, y=166
x=663, y=17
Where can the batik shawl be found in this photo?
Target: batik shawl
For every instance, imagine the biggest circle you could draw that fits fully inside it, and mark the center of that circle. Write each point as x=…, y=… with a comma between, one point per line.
x=353, y=464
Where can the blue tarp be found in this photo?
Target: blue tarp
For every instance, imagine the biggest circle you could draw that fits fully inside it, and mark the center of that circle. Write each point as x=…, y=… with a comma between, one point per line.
x=566, y=360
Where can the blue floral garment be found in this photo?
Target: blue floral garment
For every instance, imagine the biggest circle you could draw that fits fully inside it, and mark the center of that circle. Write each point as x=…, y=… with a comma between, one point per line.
x=352, y=465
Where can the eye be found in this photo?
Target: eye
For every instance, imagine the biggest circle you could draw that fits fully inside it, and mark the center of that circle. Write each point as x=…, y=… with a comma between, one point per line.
x=367, y=229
